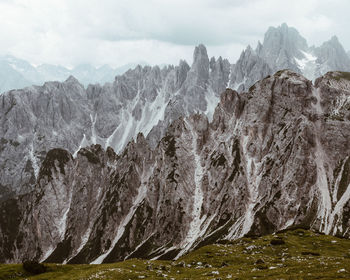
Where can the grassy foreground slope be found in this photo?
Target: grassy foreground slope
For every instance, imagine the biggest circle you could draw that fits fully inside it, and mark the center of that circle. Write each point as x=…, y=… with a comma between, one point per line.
x=295, y=254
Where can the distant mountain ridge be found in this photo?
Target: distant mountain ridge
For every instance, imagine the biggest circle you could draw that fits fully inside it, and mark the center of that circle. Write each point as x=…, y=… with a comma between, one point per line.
x=17, y=73
x=284, y=48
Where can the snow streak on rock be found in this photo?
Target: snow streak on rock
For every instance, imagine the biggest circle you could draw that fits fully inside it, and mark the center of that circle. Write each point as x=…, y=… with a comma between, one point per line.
x=140, y=196
x=47, y=254
x=34, y=161
x=253, y=178
x=197, y=220
x=336, y=216
x=212, y=102
x=83, y=143
x=93, y=130
x=325, y=205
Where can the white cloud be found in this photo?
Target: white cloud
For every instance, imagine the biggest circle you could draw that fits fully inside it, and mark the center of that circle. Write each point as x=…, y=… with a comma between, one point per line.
x=158, y=31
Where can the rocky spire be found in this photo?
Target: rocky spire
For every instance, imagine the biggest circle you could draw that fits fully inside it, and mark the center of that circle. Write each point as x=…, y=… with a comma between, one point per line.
x=249, y=68
x=281, y=45
x=331, y=55
x=200, y=64
x=259, y=48
x=71, y=79
x=182, y=71
x=219, y=75
x=196, y=84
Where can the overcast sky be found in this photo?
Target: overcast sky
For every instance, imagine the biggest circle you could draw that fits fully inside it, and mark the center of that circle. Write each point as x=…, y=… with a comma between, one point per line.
x=117, y=32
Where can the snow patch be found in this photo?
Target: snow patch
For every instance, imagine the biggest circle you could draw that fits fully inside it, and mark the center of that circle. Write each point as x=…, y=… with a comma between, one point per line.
x=93, y=130
x=307, y=65
x=129, y=127
x=153, y=113
x=34, y=161
x=212, y=102
x=229, y=78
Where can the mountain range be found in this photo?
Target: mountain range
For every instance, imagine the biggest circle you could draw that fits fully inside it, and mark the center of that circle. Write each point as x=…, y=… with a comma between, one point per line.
x=17, y=73
x=291, y=52
x=164, y=160
x=284, y=48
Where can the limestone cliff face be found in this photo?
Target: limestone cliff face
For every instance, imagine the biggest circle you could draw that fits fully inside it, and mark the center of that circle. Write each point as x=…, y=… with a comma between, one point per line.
x=66, y=115
x=273, y=157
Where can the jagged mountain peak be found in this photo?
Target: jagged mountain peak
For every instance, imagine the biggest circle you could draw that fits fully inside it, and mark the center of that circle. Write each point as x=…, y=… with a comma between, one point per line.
x=258, y=48
x=334, y=42
x=72, y=79
x=200, y=63
x=284, y=32
x=248, y=51
x=331, y=55
x=284, y=48
x=249, y=68
x=282, y=44
x=335, y=39
x=284, y=26
x=200, y=52
x=183, y=63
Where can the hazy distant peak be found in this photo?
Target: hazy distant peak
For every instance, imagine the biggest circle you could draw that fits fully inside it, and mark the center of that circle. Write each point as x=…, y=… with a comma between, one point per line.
x=200, y=52
x=71, y=79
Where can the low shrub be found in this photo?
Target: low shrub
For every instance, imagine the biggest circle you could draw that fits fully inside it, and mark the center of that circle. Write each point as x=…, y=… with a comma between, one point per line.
x=34, y=267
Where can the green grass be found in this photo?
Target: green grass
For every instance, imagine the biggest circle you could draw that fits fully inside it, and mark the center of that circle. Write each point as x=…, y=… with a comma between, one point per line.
x=305, y=255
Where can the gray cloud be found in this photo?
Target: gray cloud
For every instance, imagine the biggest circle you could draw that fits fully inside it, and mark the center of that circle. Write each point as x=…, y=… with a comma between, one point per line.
x=158, y=31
